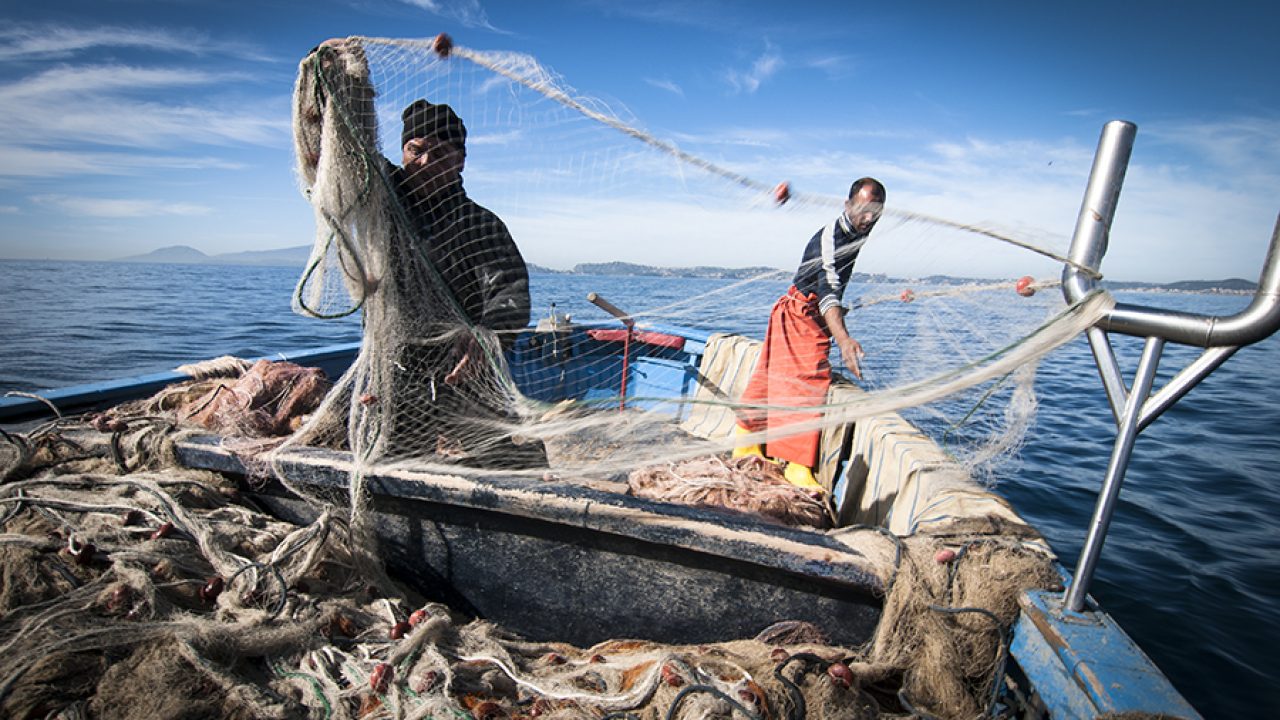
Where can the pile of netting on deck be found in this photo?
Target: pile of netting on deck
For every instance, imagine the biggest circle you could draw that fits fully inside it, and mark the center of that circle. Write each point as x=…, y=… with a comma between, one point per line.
x=164, y=593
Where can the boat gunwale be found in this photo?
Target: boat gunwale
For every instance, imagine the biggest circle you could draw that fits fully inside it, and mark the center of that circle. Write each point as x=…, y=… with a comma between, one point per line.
x=813, y=554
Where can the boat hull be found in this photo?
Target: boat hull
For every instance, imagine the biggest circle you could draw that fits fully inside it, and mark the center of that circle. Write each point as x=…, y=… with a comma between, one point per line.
x=560, y=561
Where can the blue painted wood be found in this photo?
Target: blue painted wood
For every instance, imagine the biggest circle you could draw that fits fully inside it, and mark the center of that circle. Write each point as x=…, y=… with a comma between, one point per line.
x=1082, y=665
x=333, y=359
x=651, y=378
x=591, y=370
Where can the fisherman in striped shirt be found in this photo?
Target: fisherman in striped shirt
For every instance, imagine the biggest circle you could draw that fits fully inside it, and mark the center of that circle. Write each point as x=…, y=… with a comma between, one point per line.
x=793, y=371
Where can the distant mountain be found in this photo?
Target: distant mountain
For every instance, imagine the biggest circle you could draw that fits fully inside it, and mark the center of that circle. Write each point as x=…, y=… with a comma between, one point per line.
x=701, y=271
x=290, y=256
x=186, y=255
x=181, y=254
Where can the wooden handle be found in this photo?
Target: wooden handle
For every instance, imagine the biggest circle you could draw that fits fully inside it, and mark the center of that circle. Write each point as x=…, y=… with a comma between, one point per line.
x=610, y=308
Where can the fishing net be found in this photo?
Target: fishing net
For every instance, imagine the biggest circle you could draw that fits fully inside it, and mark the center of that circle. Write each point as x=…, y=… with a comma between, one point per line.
x=165, y=594
x=444, y=377
x=132, y=588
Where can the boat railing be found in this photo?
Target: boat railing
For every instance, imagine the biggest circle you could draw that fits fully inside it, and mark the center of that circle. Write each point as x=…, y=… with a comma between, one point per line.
x=1136, y=407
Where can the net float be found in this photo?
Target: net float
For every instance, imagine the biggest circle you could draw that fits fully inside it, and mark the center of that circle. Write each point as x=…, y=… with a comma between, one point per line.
x=380, y=678
x=443, y=45
x=840, y=674
x=1025, y=286
x=211, y=589
x=782, y=192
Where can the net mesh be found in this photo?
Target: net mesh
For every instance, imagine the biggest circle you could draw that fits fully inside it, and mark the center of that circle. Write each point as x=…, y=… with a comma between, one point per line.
x=445, y=290
x=160, y=592
x=131, y=591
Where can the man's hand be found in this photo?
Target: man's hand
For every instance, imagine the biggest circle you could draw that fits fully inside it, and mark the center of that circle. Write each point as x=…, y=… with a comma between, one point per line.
x=850, y=349
x=467, y=350
x=851, y=353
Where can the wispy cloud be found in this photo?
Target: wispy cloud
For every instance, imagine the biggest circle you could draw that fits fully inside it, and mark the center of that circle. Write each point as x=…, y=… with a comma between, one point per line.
x=735, y=136
x=709, y=15
x=28, y=162
x=667, y=85
x=836, y=67
x=9, y=210
x=125, y=109
x=67, y=82
x=1243, y=148
x=45, y=42
x=762, y=69
x=468, y=12
x=119, y=207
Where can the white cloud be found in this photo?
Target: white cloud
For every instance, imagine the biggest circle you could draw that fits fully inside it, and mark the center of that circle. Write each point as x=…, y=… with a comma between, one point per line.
x=761, y=70
x=118, y=207
x=505, y=139
x=105, y=106
x=1176, y=220
x=1244, y=150
x=44, y=42
x=66, y=82
x=1026, y=189
x=667, y=85
x=468, y=12
x=9, y=210
x=24, y=162
x=837, y=67
x=739, y=136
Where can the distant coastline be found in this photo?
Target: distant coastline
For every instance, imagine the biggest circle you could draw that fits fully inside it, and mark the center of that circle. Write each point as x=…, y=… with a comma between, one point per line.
x=187, y=255
x=297, y=256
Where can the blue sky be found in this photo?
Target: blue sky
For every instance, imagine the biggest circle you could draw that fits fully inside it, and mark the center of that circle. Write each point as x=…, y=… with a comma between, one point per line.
x=131, y=125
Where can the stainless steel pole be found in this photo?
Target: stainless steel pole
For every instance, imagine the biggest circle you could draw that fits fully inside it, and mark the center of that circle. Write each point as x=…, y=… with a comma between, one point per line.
x=1126, y=435
x=1093, y=226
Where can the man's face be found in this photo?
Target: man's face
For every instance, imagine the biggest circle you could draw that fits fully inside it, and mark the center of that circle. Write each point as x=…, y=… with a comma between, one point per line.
x=432, y=163
x=863, y=209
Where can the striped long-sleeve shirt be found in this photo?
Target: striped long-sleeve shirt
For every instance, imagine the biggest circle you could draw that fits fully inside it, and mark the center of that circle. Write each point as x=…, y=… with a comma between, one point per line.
x=828, y=262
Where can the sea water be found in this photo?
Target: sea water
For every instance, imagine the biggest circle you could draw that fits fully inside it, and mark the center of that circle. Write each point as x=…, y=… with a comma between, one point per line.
x=1190, y=569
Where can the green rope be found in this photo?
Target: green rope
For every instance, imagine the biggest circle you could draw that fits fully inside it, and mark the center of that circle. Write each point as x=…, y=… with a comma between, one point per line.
x=315, y=685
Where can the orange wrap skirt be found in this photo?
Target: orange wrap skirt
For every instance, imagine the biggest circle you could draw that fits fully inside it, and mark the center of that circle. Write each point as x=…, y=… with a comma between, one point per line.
x=793, y=373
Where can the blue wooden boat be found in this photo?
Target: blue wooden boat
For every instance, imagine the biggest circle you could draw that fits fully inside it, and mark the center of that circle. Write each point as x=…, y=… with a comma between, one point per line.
x=566, y=560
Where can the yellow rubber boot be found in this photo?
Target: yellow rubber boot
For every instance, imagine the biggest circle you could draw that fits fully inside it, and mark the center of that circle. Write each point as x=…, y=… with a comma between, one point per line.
x=801, y=477
x=745, y=450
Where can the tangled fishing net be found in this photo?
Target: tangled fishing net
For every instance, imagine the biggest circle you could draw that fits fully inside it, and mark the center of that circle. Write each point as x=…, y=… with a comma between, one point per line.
x=132, y=588
x=163, y=594
x=555, y=165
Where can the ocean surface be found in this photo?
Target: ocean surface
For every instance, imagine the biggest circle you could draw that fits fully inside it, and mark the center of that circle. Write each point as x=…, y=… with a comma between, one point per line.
x=1190, y=569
